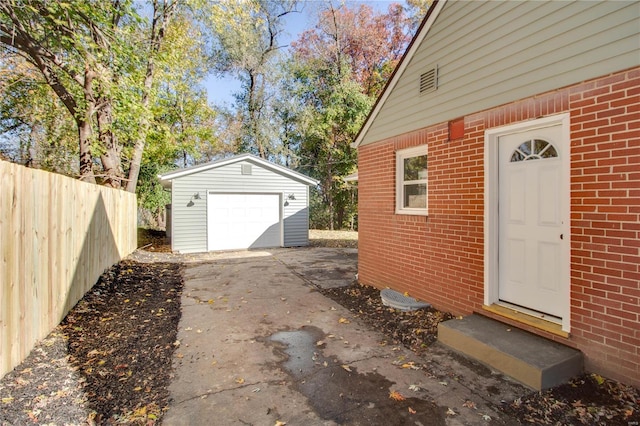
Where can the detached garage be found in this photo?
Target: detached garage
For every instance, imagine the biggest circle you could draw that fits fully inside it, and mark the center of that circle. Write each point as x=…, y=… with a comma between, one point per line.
x=237, y=203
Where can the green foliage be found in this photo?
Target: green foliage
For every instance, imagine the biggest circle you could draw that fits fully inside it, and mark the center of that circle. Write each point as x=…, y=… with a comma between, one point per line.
x=36, y=130
x=318, y=210
x=133, y=78
x=151, y=195
x=335, y=109
x=244, y=40
x=94, y=65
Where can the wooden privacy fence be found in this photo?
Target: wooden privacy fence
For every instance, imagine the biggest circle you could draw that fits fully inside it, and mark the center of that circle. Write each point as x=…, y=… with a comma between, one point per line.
x=57, y=235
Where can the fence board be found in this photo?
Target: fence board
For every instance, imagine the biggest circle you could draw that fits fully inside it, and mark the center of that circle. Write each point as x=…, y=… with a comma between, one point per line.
x=57, y=235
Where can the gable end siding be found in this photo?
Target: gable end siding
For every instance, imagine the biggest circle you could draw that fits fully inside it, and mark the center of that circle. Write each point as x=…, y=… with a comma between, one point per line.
x=493, y=53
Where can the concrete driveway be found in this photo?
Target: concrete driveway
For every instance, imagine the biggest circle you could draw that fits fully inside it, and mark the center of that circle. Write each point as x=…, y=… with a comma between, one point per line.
x=259, y=345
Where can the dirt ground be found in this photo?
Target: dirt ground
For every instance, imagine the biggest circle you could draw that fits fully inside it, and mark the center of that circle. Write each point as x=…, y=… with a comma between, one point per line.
x=109, y=361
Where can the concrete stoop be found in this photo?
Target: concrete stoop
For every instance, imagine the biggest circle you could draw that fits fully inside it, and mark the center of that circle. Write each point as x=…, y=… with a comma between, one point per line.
x=532, y=360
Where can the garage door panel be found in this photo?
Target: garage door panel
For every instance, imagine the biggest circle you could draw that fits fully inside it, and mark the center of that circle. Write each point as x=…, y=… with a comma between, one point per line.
x=240, y=221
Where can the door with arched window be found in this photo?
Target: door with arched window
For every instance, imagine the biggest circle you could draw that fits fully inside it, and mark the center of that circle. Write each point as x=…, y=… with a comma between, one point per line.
x=533, y=252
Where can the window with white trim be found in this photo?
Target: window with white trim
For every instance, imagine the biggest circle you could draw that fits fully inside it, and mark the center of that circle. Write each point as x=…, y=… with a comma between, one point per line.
x=411, y=181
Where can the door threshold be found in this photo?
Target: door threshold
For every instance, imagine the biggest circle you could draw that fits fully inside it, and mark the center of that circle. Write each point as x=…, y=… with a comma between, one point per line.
x=534, y=319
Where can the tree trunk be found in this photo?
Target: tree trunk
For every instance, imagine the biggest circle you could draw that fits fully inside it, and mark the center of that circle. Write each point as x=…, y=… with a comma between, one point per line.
x=111, y=164
x=161, y=16
x=84, y=128
x=86, y=160
x=138, y=147
x=329, y=192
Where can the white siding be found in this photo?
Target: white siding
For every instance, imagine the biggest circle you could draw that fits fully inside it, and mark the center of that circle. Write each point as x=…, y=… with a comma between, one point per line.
x=189, y=232
x=491, y=53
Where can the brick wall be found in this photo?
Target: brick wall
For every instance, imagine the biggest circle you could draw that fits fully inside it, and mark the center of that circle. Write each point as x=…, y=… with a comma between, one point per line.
x=439, y=258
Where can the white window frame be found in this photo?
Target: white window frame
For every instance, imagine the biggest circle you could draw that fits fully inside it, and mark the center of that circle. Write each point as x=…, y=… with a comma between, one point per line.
x=401, y=155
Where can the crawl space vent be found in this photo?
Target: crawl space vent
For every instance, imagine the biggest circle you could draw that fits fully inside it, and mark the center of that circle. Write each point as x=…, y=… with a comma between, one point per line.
x=246, y=169
x=429, y=81
x=397, y=300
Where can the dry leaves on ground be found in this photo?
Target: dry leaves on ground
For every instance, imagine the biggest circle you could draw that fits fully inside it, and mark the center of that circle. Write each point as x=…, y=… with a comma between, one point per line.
x=109, y=361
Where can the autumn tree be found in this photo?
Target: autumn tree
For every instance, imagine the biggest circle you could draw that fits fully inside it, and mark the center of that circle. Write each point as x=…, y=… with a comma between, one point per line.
x=36, y=129
x=340, y=68
x=245, y=44
x=416, y=11
x=68, y=42
x=100, y=59
x=370, y=42
x=334, y=111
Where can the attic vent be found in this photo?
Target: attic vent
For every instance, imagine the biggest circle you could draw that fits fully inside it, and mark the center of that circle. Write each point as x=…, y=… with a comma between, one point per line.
x=429, y=81
x=246, y=169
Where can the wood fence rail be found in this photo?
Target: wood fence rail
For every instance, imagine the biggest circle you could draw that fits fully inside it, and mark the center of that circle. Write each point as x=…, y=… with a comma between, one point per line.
x=57, y=235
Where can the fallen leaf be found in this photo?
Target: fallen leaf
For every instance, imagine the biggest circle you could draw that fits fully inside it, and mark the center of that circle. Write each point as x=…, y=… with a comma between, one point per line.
x=486, y=418
x=346, y=367
x=415, y=388
x=469, y=404
x=279, y=423
x=344, y=321
x=320, y=343
x=411, y=410
x=450, y=412
x=239, y=380
x=8, y=400
x=396, y=396
x=598, y=378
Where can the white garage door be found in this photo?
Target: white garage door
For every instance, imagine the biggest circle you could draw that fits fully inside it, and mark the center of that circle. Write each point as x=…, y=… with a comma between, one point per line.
x=240, y=221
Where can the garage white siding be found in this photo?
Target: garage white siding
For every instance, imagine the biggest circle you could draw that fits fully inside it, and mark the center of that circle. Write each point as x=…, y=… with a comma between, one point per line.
x=189, y=212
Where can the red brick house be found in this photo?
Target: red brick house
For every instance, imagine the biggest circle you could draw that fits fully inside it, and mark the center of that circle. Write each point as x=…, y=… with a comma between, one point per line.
x=499, y=172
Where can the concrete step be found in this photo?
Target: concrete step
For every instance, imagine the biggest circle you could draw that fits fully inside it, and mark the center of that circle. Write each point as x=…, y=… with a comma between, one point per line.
x=532, y=360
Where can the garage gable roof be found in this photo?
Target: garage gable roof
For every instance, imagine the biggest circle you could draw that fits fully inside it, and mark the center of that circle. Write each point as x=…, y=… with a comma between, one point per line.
x=166, y=178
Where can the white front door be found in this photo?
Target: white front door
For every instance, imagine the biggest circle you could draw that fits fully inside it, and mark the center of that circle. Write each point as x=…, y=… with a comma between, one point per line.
x=533, y=254
x=241, y=221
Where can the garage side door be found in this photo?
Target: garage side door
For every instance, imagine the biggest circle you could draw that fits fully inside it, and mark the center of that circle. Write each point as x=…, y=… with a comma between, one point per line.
x=241, y=221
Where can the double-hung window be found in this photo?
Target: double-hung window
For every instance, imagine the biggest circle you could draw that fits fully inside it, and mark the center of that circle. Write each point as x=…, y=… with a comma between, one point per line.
x=411, y=181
